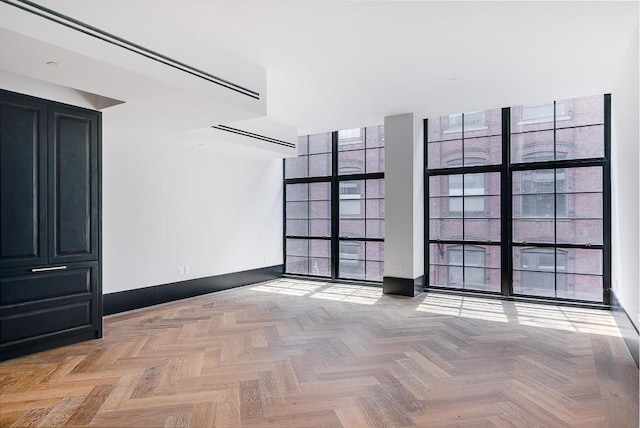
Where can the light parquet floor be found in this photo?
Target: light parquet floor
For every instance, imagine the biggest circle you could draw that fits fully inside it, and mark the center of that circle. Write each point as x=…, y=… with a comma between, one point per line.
x=291, y=353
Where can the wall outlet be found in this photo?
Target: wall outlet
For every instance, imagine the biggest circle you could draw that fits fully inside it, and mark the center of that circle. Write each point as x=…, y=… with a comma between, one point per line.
x=180, y=270
x=399, y=268
x=187, y=269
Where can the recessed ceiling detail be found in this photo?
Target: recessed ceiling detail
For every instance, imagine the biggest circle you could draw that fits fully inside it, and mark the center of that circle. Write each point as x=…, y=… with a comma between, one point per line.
x=97, y=33
x=252, y=135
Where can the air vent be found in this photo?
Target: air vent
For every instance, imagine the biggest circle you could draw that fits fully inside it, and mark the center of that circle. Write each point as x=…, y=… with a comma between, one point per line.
x=89, y=30
x=252, y=135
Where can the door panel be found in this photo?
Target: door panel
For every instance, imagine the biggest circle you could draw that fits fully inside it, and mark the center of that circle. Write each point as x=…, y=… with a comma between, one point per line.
x=73, y=181
x=23, y=172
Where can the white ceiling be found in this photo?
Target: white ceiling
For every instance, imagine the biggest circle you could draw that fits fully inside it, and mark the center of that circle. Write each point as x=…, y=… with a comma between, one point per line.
x=341, y=64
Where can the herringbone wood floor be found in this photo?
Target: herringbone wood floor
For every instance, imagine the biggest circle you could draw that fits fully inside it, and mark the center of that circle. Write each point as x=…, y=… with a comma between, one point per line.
x=292, y=353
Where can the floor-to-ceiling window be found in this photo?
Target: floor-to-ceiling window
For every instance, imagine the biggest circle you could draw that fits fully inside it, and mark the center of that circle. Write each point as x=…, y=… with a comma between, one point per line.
x=518, y=200
x=334, y=205
x=464, y=158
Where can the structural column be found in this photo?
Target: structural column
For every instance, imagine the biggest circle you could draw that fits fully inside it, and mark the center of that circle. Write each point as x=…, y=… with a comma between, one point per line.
x=404, y=206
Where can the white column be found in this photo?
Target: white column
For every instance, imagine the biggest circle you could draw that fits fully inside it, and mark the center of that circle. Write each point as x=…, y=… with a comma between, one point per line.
x=404, y=205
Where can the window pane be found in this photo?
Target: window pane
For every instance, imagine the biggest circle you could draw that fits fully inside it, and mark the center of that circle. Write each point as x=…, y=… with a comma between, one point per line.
x=587, y=179
x=351, y=259
x=318, y=210
x=298, y=167
x=535, y=117
x=320, y=191
x=533, y=230
x=374, y=228
x=297, y=256
x=564, y=272
x=352, y=228
x=483, y=123
x=581, y=143
x=465, y=266
x=444, y=154
x=375, y=251
x=580, y=111
x=320, y=143
x=580, y=205
x=532, y=147
x=482, y=151
x=445, y=229
x=579, y=287
x=439, y=129
x=534, y=283
x=375, y=136
x=297, y=210
x=297, y=192
x=297, y=227
x=319, y=227
x=320, y=165
x=374, y=268
x=361, y=260
x=540, y=181
x=440, y=207
x=351, y=139
x=374, y=160
x=580, y=231
x=375, y=189
x=351, y=162
x=438, y=185
x=375, y=209
x=482, y=230
x=320, y=257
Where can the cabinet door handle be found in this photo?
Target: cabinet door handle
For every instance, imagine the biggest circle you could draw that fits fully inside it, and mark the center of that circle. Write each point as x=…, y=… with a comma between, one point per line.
x=48, y=269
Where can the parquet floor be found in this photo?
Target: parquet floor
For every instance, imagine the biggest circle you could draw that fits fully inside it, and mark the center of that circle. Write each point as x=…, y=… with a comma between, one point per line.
x=291, y=353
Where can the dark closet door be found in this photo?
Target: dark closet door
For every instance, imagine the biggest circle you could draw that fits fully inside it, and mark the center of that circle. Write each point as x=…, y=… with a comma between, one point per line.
x=73, y=185
x=23, y=174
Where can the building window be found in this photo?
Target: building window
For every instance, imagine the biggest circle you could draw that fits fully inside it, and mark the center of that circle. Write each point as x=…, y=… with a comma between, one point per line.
x=552, y=188
x=466, y=267
x=351, y=244
x=543, y=193
x=543, y=272
x=348, y=135
x=472, y=121
x=471, y=194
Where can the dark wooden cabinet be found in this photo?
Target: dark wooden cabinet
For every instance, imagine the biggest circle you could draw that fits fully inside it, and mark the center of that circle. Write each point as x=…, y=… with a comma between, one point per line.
x=73, y=185
x=23, y=178
x=50, y=285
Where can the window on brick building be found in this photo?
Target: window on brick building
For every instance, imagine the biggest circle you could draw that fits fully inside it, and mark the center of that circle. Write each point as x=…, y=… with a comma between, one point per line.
x=543, y=271
x=541, y=199
x=467, y=190
x=334, y=218
x=466, y=266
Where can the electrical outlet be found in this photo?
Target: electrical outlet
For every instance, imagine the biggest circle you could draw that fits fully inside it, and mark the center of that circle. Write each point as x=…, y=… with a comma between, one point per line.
x=399, y=268
x=180, y=270
x=187, y=269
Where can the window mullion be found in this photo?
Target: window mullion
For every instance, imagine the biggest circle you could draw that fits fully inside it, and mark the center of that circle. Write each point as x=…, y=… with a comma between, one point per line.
x=506, y=208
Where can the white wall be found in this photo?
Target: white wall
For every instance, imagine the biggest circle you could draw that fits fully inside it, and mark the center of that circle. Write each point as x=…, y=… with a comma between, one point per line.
x=625, y=183
x=169, y=205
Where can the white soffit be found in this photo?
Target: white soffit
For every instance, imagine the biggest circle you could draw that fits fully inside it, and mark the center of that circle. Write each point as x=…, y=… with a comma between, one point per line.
x=144, y=94
x=260, y=133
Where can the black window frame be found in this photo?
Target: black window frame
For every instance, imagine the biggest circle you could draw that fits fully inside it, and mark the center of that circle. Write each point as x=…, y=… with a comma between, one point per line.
x=334, y=179
x=506, y=170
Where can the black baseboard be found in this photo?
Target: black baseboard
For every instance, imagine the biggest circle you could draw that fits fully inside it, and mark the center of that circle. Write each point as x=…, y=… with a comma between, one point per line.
x=627, y=328
x=403, y=286
x=149, y=296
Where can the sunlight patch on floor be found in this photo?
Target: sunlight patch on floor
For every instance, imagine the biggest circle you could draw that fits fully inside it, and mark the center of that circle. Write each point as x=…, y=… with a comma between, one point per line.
x=579, y=320
x=364, y=295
